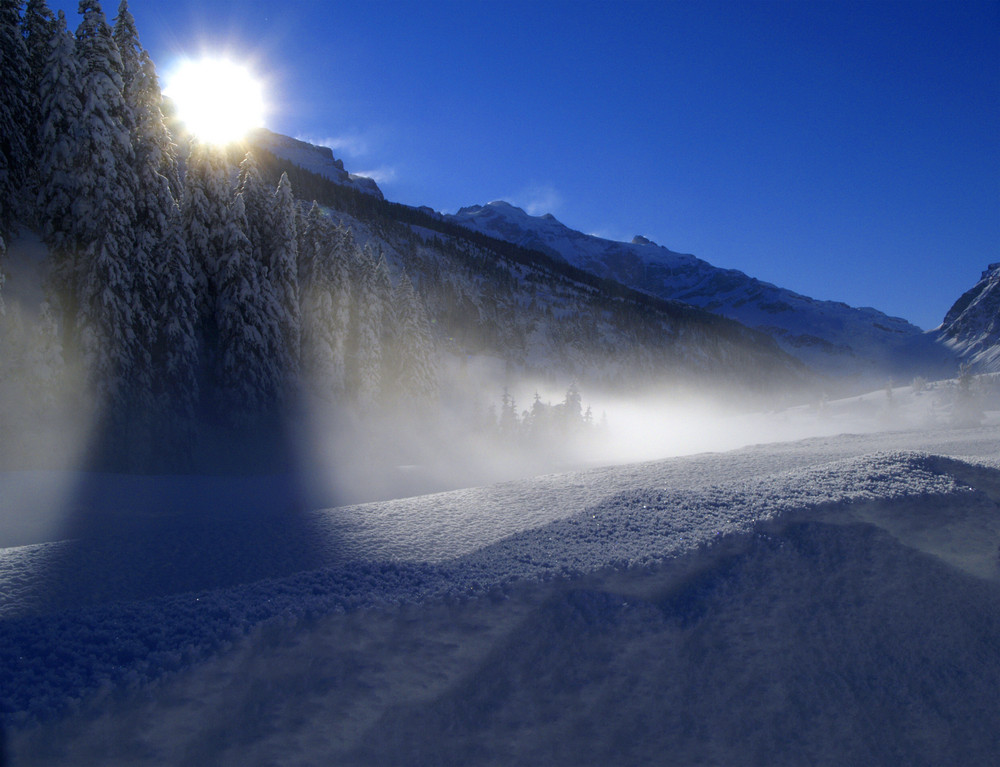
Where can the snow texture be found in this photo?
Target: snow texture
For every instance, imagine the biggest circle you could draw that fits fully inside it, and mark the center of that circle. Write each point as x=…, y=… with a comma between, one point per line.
x=829, y=601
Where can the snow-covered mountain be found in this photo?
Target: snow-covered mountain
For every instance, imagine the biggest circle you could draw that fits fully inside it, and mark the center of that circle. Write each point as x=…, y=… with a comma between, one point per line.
x=972, y=325
x=313, y=158
x=829, y=336
x=528, y=313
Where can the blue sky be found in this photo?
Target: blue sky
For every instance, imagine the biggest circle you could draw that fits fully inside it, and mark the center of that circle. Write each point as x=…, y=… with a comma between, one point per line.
x=848, y=151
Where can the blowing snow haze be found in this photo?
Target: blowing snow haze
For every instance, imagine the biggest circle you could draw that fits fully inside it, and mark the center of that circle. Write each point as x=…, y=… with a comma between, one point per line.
x=295, y=472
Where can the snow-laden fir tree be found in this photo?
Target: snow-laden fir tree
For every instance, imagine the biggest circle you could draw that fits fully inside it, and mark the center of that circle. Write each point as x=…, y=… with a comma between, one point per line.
x=176, y=352
x=167, y=287
x=320, y=368
x=249, y=378
x=105, y=206
x=326, y=317
x=37, y=26
x=257, y=202
x=312, y=232
x=256, y=219
x=104, y=218
x=60, y=108
x=15, y=116
x=126, y=37
x=366, y=333
x=414, y=364
x=282, y=273
x=153, y=164
x=206, y=213
x=383, y=298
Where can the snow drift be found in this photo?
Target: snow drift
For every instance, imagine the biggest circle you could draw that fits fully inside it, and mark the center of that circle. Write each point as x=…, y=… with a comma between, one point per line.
x=827, y=602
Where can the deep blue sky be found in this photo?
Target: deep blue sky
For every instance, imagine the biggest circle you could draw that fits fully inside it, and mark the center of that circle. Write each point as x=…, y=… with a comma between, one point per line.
x=846, y=151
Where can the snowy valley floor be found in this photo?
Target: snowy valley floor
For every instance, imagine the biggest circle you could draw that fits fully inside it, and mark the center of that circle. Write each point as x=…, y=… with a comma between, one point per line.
x=828, y=601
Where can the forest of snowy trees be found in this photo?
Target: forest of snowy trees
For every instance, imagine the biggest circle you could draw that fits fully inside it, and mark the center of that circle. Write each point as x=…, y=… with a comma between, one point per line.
x=189, y=293
x=195, y=311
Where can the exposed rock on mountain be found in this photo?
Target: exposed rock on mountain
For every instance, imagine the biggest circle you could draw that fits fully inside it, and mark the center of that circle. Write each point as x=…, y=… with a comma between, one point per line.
x=316, y=159
x=972, y=325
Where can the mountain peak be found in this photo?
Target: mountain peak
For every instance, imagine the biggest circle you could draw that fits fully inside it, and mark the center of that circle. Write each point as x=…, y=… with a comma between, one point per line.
x=972, y=325
x=640, y=240
x=314, y=158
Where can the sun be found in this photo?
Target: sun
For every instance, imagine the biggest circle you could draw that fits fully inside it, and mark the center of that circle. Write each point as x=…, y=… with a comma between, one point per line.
x=217, y=99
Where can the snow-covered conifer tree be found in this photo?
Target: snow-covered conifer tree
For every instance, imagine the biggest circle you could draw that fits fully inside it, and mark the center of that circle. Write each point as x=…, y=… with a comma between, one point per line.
x=414, y=362
x=383, y=297
x=282, y=272
x=104, y=216
x=319, y=342
x=366, y=333
x=167, y=287
x=37, y=27
x=127, y=39
x=326, y=317
x=105, y=206
x=248, y=375
x=58, y=186
x=206, y=215
x=257, y=202
x=343, y=255
x=153, y=163
x=176, y=353
x=15, y=116
x=311, y=236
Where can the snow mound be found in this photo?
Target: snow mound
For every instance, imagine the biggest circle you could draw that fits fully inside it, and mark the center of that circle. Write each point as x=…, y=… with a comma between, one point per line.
x=73, y=620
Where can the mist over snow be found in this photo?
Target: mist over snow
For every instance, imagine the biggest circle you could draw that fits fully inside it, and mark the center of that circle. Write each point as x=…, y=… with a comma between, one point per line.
x=825, y=601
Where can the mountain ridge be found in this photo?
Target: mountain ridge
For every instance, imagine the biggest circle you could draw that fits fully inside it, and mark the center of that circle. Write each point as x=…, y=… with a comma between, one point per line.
x=830, y=336
x=972, y=325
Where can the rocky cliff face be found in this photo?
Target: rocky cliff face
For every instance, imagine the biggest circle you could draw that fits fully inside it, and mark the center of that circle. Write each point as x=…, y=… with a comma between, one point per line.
x=972, y=325
x=316, y=159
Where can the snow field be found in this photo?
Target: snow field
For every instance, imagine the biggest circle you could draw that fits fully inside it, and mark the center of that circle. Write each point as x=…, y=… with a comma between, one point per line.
x=831, y=601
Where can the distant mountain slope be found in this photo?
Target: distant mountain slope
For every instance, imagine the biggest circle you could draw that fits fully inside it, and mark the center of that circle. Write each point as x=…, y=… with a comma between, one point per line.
x=830, y=336
x=316, y=159
x=972, y=325
x=534, y=313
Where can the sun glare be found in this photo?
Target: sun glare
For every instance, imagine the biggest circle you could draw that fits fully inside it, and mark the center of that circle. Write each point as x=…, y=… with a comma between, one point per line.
x=218, y=100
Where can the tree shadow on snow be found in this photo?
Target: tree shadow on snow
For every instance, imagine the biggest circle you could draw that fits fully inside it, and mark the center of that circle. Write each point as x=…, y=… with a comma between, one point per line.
x=239, y=514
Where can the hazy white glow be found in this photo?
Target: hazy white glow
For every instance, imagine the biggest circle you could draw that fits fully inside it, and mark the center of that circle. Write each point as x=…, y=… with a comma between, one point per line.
x=217, y=99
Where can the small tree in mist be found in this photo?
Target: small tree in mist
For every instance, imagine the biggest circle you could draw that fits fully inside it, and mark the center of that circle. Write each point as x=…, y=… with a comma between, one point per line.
x=967, y=411
x=509, y=425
